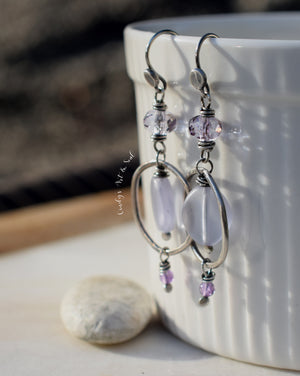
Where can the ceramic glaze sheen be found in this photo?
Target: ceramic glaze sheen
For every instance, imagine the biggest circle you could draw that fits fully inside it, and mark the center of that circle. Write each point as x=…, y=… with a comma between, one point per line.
x=254, y=314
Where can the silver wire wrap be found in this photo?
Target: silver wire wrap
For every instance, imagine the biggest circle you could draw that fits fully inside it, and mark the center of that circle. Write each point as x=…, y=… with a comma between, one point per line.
x=204, y=159
x=164, y=252
x=160, y=151
x=136, y=209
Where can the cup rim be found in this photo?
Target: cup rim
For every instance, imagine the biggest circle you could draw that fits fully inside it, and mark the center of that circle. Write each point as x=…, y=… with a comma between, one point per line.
x=146, y=28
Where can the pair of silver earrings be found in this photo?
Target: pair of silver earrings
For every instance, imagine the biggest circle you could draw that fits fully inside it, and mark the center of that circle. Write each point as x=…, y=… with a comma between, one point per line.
x=204, y=213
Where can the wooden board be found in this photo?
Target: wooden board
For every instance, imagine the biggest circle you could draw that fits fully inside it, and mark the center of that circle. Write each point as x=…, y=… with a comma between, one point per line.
x=53, y=221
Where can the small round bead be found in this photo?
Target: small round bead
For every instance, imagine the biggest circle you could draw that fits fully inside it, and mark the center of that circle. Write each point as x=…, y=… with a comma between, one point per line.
x=166, y=277
x=207, y=289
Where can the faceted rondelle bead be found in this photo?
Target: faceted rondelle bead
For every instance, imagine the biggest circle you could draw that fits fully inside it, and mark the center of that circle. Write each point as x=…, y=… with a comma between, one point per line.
x=159, y=122
x=205, y=128
x=207, y=289
x=166, y=277
x=163, y=205
x=201, y=216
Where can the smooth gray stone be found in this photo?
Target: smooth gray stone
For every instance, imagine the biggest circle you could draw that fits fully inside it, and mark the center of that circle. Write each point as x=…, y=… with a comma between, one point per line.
x=106, y=310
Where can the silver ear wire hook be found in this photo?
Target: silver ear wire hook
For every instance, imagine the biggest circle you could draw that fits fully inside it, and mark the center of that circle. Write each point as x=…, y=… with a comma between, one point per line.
x=206, y=128
x=152, y=77
x=198, y=77
x=202, y=40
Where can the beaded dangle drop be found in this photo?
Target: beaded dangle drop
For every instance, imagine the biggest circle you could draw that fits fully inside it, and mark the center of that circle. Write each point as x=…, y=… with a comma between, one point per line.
x=205, y=209
x=160, y=122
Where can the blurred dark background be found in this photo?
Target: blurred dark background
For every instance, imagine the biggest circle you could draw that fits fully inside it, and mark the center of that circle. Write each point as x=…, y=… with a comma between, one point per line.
x=67, y=117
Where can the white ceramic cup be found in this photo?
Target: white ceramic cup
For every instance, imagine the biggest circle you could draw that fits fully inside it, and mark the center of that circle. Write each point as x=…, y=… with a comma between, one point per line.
x=253, y=72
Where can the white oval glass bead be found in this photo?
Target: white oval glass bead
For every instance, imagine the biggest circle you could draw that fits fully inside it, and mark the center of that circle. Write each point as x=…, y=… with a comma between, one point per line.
x=163, y=204
x=201, y=216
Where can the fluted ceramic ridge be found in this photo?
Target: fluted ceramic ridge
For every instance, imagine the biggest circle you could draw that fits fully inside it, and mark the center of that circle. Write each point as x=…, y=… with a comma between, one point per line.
x=254, y=314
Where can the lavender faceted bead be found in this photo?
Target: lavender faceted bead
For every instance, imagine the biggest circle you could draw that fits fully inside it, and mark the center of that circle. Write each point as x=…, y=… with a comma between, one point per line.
x=159, y=122
x=205, y=128
x=207, y=289
x=166, y=277
x=201, y=216
x=163, y=205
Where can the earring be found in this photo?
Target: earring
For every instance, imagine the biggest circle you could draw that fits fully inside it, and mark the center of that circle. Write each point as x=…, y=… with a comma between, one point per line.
x=159, y=122
x=205, y=209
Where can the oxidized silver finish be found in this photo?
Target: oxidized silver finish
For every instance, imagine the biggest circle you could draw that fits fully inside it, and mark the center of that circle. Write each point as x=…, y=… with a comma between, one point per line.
x=159, y=141
x=164, y=254
x=136, y=208
x=201, y=179
x=159, y=160
x=158, y=137
x=157, y=105
x=204, y=300
x=207, y=112
x=208, y=276
x=202, y=40
x=206, y=145
x=161, y=172
x=152, y=77
x=198, y=79
x=164, y=266
x=205, y=155
x=224, y=225
x=204, y=161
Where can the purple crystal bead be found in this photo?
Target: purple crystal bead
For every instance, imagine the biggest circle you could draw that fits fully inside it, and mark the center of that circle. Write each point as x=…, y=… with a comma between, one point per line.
x=166, y=277
x=159, y=122
x=205, y=128
x=207, y=289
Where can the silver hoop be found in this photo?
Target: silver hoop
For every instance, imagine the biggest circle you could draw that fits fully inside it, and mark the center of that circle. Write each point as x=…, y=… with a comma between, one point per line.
x=136, y=210
x=224, y=224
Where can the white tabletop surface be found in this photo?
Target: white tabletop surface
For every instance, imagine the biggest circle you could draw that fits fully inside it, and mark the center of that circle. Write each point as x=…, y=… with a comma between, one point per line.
x=33, y=340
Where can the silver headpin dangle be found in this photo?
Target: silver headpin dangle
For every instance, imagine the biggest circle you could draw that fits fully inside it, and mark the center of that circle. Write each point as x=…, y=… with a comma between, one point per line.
x=205, y=209
x=160, y=122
